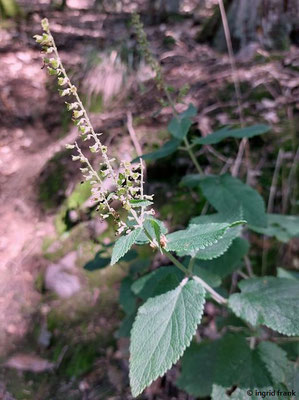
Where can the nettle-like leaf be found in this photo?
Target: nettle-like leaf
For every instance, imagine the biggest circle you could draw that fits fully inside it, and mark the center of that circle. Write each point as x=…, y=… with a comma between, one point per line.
x=163, y=328
x=275, y=360
x=198, y=237
x=279, y=369
x=226, y=362
x=167, y=149
x=227, y=193
x=229, y=261
x=123, y=245
x=221, y=247
x=268, y=301
x=157, y=282
x=227, y=132
x=135, y=203
x=180, y=125
x=282, y=227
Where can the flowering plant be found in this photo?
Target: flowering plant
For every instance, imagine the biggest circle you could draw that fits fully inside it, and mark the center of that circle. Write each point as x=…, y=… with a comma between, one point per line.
x=202, y=256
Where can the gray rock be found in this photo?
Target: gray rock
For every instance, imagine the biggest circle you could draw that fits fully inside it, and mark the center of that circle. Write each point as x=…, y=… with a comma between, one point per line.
x=61, y=277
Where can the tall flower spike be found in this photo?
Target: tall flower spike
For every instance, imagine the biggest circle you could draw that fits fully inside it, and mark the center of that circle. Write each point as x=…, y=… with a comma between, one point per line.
x=128, y=182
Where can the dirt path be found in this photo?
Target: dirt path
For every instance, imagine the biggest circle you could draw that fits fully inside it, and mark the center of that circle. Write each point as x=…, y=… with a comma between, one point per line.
x=23, y=154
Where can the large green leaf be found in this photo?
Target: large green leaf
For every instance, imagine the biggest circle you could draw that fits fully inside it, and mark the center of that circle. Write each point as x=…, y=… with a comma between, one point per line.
x=280, y=371
x=168, y=148
x=226, y=362
x=157, y=282
x=123, y=245
x=227, y=193
x=232, y=216
x=282, y=227
x=226, y=132
x=198, y=237
x=229, y=261
x=218, y=249
x=161, y=332
x=275, y=360
x=269, y=301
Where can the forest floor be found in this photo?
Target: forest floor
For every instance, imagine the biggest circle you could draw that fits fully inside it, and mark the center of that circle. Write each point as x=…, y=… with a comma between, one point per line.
x=34, y=129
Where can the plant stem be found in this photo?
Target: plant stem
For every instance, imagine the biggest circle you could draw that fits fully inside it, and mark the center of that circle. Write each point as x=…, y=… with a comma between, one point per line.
x=191, y=265
x=216, y=296
x=192, y=156
x=176, y=262
x=187, y=144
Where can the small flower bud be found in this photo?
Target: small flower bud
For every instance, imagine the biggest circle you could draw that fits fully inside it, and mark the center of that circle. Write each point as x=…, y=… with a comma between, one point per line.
x=52, y=71
x=45, y=24
x=62, y=81
x=38, y=38
x=77, y=113
x=54, y=63
x=94, y=148
x=69, y=146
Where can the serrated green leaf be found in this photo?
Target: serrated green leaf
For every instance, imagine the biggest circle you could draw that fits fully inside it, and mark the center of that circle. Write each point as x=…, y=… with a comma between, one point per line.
x=226, y=132
x=157, y=282
x=166, y=150
x=275, y=360
x=140, y=203
x=229, y=261
x=163, y=328
x=98, y=262
x=123, y=245
x=227, y=193
x=226, y=362
x=221, y=247
x=233, y=215
x=197, y=237
x=282, y=227
x=268, y=301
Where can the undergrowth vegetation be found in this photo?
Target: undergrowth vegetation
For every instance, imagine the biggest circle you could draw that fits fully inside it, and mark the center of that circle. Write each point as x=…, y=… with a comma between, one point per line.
x=209, y=260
